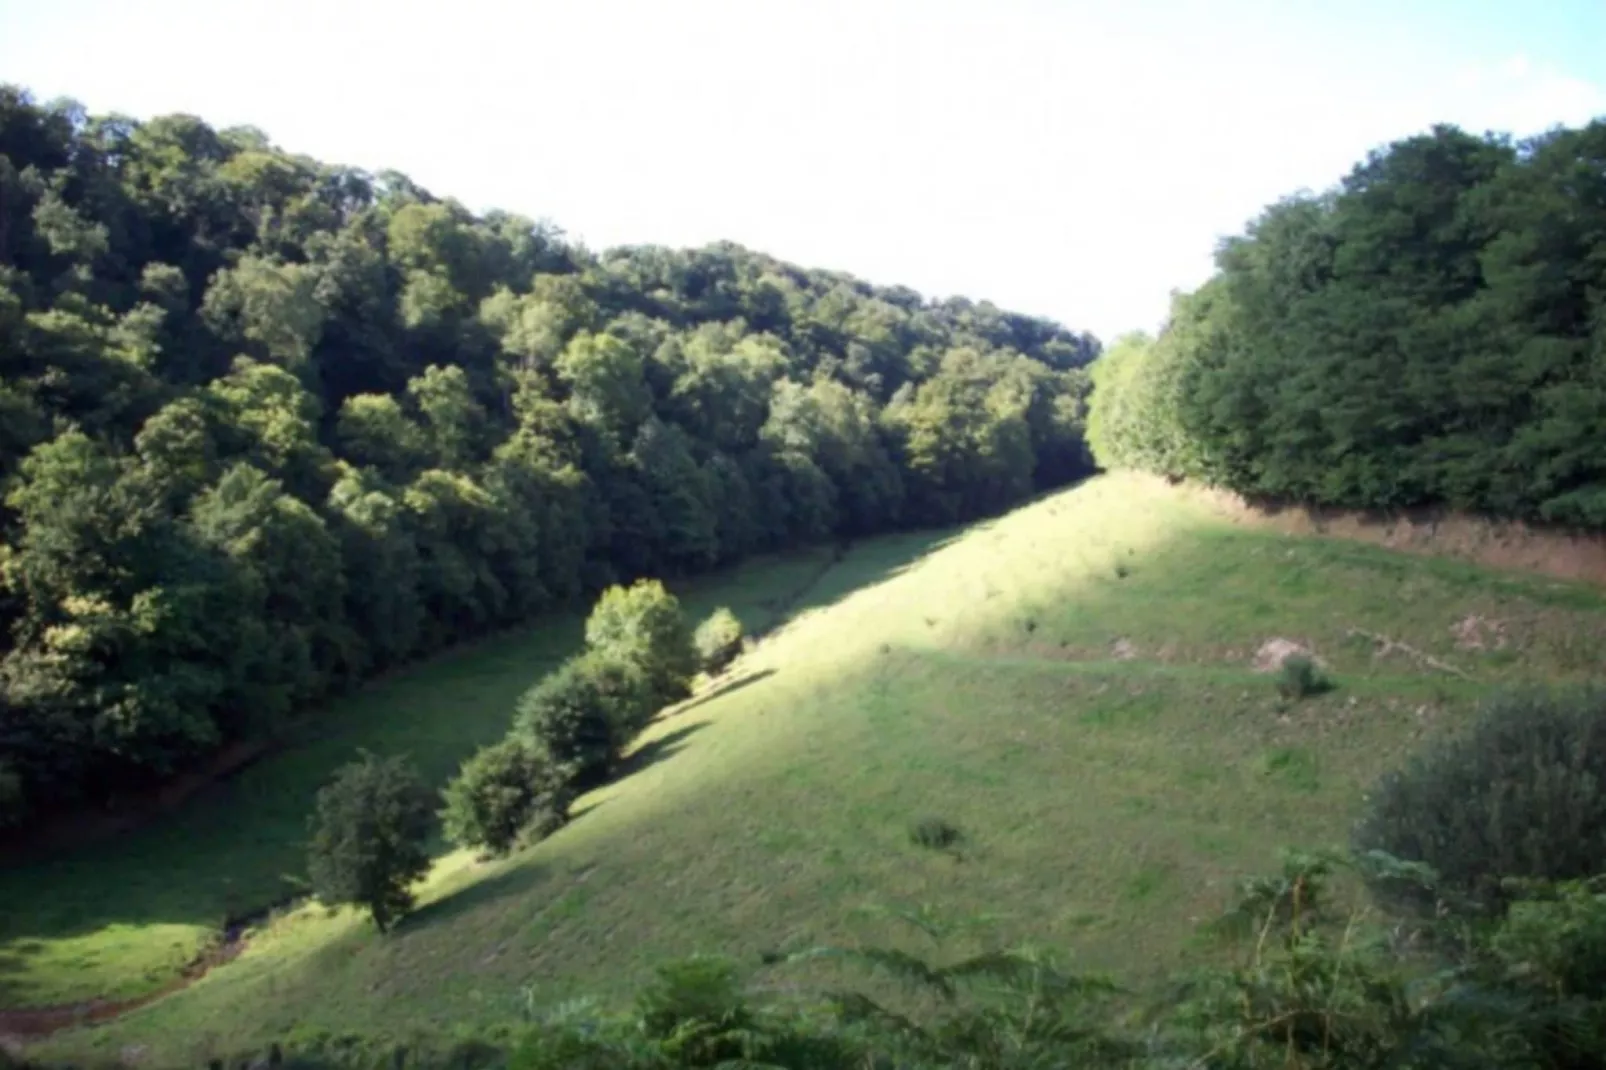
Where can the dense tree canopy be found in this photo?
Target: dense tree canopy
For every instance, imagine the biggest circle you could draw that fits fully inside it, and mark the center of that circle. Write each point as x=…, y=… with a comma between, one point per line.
x=1433, y=331
x=268, y=426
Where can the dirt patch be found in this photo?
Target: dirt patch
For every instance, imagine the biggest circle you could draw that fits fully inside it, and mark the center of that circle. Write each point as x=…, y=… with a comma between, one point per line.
x=1123, y=650
x=1383, y=646
x=1276, y=650
x=1503, y=544
x=24, y=1024
x=1479, y=633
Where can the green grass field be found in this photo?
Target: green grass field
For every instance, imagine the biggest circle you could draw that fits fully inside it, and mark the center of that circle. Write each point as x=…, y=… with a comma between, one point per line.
x=1070, y=685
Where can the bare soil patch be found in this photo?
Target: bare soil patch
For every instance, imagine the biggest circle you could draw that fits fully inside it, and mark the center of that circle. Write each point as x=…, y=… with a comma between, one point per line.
x=23, y=1024
x=1503, y=544
x=1276, y=650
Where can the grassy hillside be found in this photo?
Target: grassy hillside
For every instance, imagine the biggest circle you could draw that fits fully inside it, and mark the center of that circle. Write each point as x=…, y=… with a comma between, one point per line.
x=1071, y=685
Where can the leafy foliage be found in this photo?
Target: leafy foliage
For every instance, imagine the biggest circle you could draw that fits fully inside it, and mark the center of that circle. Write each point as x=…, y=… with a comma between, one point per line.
x=506, y=791
x=368, y=834
x=935, y=833
x=1300, y=677
x=268, y=426
x=718, y=640
x=1302, y=985
x=584, y=713
x=643, y=625
x=1427, y=333
x=1521, y=795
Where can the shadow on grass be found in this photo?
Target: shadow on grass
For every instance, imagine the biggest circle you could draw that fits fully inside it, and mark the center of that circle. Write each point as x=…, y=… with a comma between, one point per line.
x=14, y=960
x=724, y=688
x=514, y=880
x=225, y=852
x=665, y=746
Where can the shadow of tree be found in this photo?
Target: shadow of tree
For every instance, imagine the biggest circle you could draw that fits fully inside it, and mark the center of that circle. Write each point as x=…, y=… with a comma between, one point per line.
x=725, y=687
x=515, y=879
x=656, y=750
x=13, y=960
x=225, y=851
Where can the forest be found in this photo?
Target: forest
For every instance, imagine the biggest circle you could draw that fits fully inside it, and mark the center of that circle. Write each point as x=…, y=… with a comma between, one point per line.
x=1431, y=332
x=270, y=426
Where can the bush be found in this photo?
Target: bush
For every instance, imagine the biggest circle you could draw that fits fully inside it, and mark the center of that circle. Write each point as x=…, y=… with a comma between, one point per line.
x=368, y=834
x=624, y=690
x=584, y=714
x=1523, y=794
x=718, y=640
x=934, y=832
x=1300, y=678
x=506, y=790
x=644, y=624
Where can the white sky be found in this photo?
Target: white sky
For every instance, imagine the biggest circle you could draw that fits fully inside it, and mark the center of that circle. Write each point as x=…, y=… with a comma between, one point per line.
x=1075, y=160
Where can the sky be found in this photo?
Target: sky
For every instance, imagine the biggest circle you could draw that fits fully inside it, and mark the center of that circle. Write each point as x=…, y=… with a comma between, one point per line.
x=1065, y=159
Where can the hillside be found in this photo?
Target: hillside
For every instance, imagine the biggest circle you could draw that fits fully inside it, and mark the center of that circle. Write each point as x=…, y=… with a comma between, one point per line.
x=1072, y=685
x=270, y=427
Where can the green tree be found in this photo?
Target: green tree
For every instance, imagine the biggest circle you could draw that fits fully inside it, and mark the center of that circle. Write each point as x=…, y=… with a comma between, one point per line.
x=373, y=430
x=606, y=389
x=643, y=623
x=272, y=425
x=584, y=714
x=506, y=791
x=272, y=306
x=368, y=833
x=718, y=640
x=453, y=418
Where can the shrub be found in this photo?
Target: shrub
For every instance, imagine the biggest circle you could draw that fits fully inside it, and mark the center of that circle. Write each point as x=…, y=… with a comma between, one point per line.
x=583, y=714
x=934, y=832
x=624, y=691
x=718, y=640
x=1523, y=794
x=368, y=834
x=506, y=790
x=645, y=624
x=1300, y=677
x=696, y=1009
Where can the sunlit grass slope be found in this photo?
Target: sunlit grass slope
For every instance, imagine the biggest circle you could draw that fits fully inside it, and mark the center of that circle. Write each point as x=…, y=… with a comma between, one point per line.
x=1070, y=685
x=126, y=916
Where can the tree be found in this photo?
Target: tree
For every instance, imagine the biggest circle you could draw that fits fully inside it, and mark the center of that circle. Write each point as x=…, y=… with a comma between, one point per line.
x=508, y=790
x=644, y=624
x=582, y=715
x=1423, y=334
x=269, y=425
x=381, y=567
x=274, y=306
x=368, y=834
x=452, y=417
x=604, y=377
x=373, y=430
x=718, y=640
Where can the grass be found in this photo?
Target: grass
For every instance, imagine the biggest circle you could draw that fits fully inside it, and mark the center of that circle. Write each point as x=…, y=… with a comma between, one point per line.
x=126, y=916
x=1114, y=766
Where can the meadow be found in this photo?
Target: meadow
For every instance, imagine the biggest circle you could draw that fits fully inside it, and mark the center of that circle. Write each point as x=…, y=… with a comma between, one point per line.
x=1072, y=686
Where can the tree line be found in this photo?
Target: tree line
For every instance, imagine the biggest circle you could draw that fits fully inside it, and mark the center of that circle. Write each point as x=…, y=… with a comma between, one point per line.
x=269, y=426
x=1432, y=331
x=569, y=733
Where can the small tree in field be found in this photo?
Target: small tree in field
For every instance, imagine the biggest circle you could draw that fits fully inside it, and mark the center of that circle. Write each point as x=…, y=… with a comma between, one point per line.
x=718, y=640
x=1522, y=794
x=368, y=834
x=510, y=789
x=645, y=624
x=586, y=712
